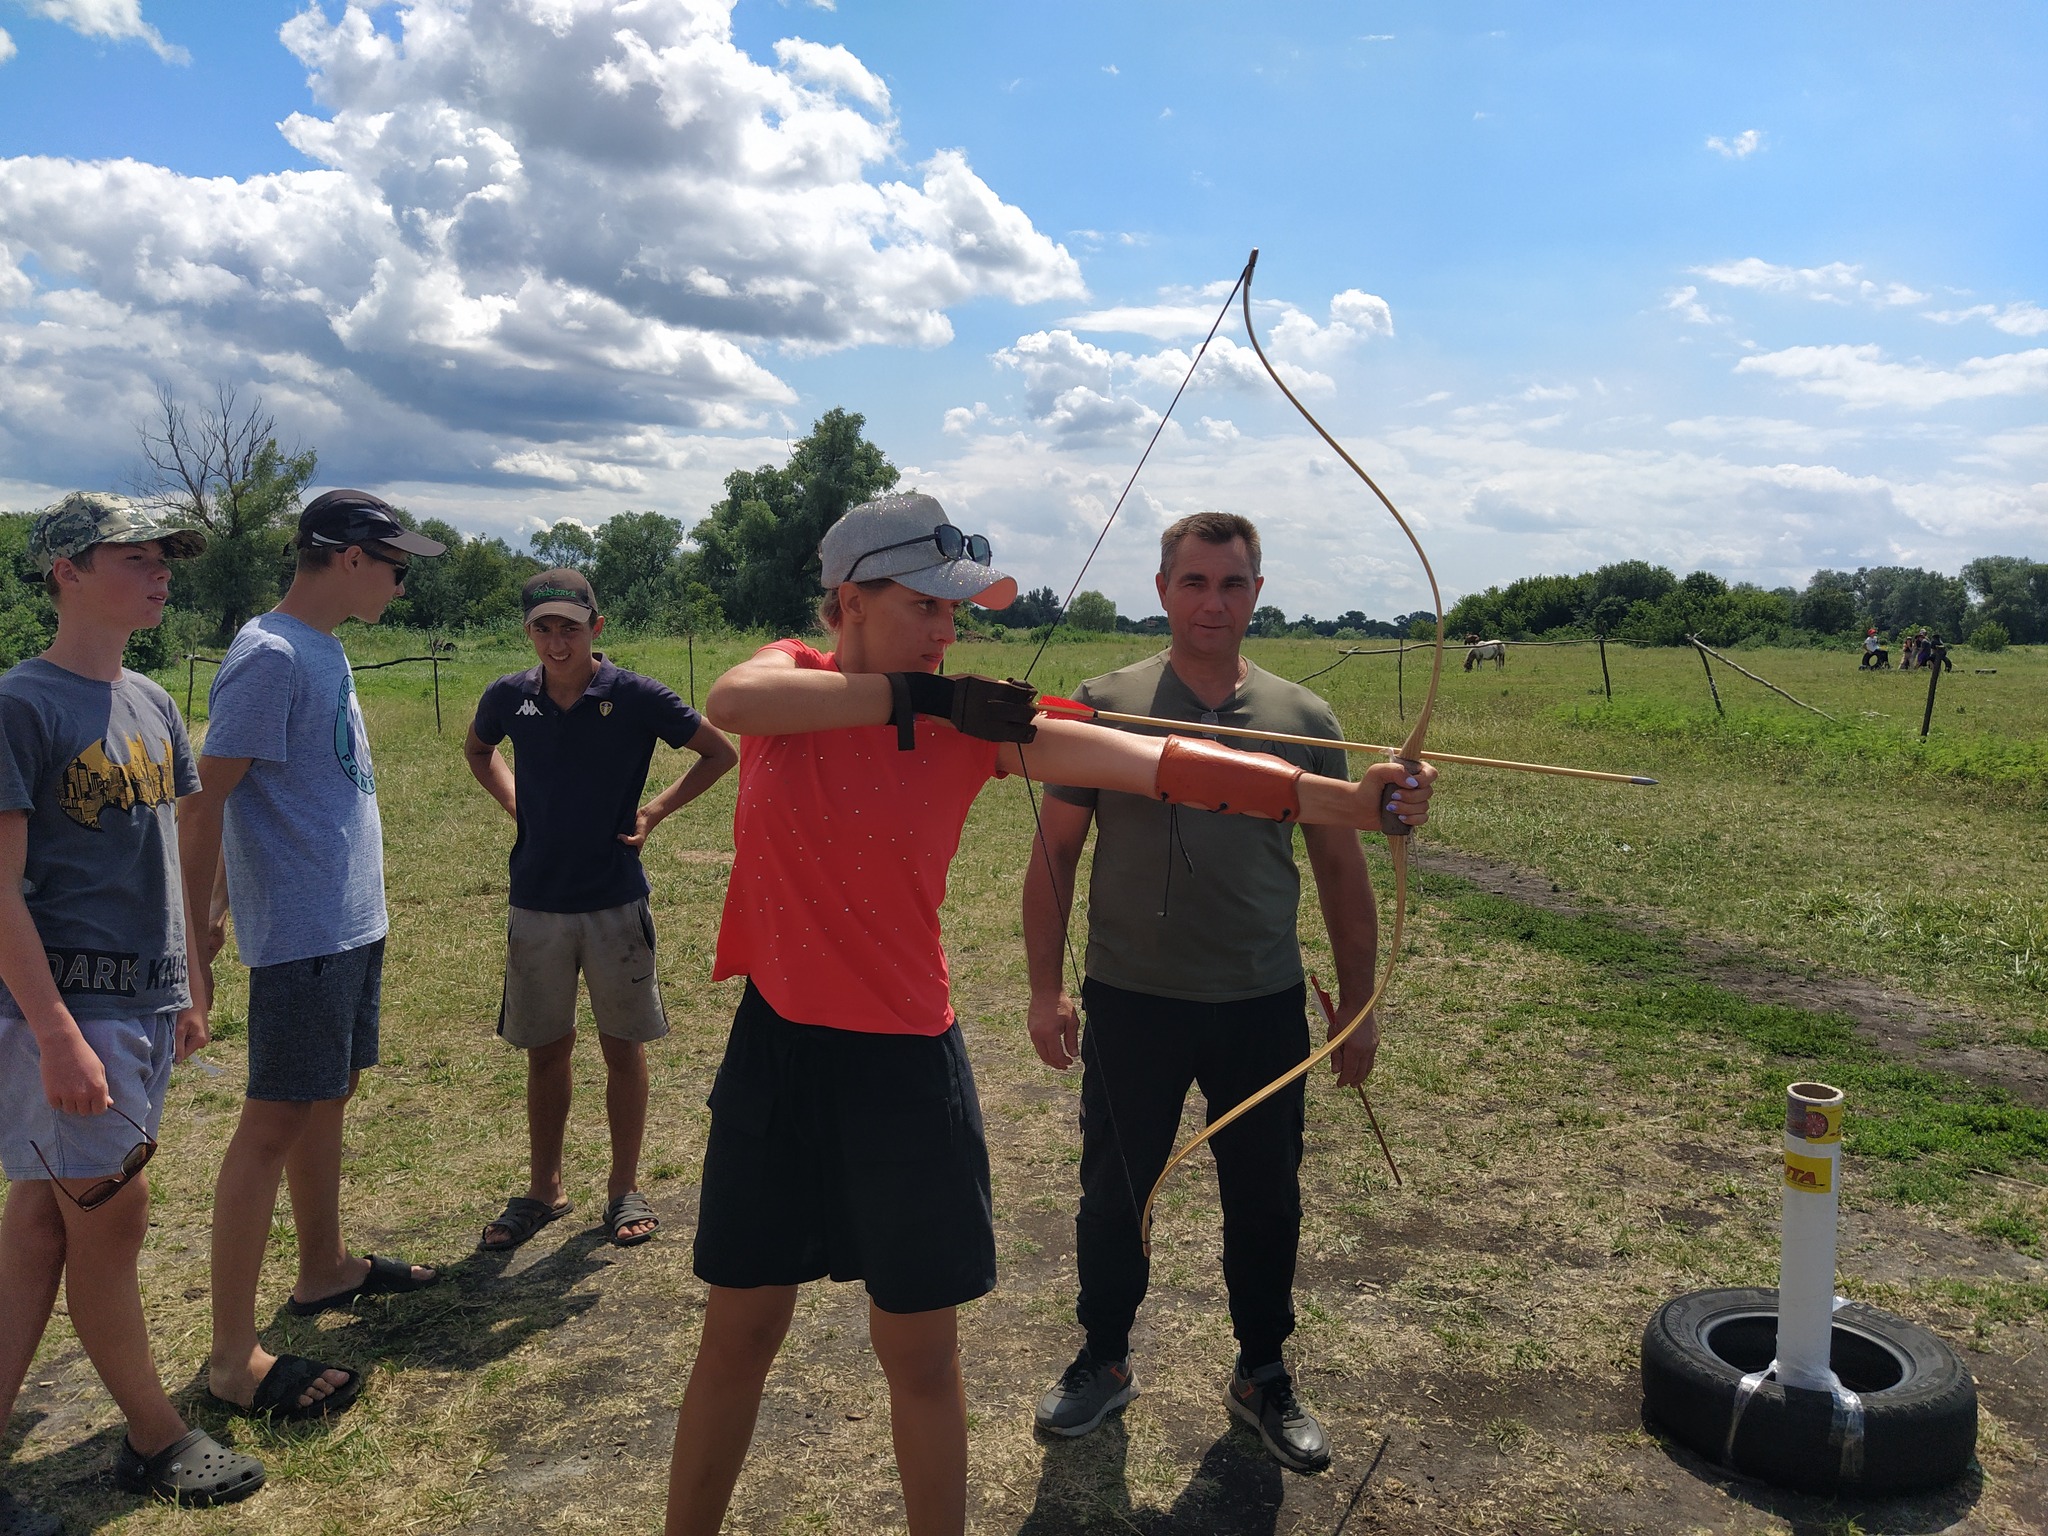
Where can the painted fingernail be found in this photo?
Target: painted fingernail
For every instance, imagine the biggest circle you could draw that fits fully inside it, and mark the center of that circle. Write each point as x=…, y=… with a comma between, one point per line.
x=1415, y=784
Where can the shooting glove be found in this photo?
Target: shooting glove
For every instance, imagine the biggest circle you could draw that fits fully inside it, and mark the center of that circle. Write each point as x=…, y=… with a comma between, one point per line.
x=975, y=706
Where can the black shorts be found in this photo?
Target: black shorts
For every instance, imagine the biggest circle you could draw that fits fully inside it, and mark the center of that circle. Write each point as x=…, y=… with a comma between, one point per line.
x=857, y=1156
x=313, y=1024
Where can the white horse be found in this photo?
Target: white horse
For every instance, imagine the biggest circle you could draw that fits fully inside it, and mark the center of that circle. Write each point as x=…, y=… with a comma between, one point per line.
x=1478, y=650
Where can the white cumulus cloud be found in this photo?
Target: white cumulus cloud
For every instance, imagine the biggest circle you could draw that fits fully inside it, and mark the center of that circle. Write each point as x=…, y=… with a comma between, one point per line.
x=7, y=49
x=1838, y=282
x=1685, y=303
x=118, y=21
x=1863, y=377
x=2024, y=318
x=533, y=225
x=1741, y=146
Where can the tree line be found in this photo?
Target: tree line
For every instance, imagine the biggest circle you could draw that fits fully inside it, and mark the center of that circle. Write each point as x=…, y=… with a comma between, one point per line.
x=751, y=563
x=1996, y=600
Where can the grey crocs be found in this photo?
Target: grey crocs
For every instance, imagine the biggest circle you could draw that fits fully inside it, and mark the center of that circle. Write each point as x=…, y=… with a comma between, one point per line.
x=196, y=1470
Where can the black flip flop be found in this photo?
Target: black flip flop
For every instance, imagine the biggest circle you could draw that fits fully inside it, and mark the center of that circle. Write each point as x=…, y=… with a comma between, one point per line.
x=278, y=1393
x=387, y=1277
x=522, y=1217
x=196, y=1470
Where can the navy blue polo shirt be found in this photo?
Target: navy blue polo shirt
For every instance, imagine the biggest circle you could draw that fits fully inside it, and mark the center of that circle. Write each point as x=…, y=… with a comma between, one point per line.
x=579, y=774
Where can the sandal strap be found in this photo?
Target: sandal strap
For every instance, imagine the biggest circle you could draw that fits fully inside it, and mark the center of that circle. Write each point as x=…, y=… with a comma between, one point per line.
x=630, y=1207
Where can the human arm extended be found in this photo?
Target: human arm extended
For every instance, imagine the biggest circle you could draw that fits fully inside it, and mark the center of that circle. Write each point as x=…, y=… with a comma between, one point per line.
x=1071, y=752
x=1054, y=1021
x=1344, y=890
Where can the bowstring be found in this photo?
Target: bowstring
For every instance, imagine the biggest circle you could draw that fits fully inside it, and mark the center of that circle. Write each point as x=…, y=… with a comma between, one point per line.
x=1186, y=378
x=1031, y=797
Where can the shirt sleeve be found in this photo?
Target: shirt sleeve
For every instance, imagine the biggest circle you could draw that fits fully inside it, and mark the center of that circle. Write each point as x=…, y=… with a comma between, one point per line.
x=1069, y=794
x=250, y=706
x=489, y=723
x=21, y=753
x=1329, y=762
x=668, y=716
x=184, y=767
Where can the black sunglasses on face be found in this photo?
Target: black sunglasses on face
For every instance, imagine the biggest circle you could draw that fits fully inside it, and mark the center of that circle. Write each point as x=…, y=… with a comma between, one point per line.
x=400, y=566
x=97, y=1195
x=951, y=542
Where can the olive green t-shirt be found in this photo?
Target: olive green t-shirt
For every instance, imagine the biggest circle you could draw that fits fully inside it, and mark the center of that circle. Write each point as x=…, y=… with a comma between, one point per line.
x=1227, y=930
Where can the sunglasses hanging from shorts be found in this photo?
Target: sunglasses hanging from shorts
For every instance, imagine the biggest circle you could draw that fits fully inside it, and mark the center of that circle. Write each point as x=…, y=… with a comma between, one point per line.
x=97, y=1195
x=952, y=545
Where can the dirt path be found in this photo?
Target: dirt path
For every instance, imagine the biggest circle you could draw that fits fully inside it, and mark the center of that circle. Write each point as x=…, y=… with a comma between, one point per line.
x=1897, y=1022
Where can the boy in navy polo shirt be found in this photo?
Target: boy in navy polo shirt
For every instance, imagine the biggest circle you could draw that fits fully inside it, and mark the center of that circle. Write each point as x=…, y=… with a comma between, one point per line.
x=583, y=734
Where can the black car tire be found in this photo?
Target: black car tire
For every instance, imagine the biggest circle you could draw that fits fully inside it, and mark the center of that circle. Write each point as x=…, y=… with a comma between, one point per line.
x=1919, y=1405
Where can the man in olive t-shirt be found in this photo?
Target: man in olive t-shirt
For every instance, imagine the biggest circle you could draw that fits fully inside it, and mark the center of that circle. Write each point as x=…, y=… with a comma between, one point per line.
x=1194, y=976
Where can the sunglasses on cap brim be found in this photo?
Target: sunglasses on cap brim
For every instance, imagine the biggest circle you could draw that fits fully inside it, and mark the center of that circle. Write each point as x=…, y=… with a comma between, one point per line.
x=951, y=542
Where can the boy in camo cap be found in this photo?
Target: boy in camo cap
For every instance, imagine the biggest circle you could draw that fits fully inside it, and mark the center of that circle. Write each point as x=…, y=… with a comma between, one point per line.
x=94, y=992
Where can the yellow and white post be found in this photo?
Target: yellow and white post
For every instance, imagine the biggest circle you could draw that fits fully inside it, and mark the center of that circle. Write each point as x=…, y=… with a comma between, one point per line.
x=1806, y=1272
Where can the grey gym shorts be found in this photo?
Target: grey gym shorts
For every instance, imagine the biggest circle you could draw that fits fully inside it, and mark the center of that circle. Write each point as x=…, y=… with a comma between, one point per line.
x=137, y=1055
x=614, y=951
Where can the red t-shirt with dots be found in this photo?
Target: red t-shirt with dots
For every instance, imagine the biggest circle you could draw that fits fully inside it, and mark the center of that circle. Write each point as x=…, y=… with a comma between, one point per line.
x=841, y=845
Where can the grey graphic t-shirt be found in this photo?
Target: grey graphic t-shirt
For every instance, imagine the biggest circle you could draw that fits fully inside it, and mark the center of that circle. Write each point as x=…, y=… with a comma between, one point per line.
x=304, y=846
x=97, y=766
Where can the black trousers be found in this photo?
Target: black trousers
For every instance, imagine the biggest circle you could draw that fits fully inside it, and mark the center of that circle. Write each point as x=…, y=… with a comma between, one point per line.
x=1140, y=1055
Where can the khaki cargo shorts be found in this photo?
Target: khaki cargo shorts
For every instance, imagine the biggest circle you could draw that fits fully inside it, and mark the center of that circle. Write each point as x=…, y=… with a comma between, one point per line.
x=612, y=949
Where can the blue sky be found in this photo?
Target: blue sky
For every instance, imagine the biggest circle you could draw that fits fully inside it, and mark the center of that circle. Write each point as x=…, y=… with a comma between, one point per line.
x=1758, y=289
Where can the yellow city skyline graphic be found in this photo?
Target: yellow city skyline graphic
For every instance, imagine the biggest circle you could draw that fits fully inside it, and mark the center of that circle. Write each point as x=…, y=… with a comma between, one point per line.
x=93, y=781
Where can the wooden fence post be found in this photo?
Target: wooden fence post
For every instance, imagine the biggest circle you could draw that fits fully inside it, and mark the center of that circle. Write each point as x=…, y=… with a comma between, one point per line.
x=1606, y=682
x=1400, y=698
x=1933, y=679
x=1708, y=668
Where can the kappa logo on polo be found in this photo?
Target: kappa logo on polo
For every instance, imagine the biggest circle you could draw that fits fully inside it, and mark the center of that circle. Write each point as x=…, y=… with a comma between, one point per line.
x=528, y=708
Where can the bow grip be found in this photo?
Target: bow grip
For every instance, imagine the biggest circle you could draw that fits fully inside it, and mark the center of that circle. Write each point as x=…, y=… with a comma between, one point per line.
x=1390, y=824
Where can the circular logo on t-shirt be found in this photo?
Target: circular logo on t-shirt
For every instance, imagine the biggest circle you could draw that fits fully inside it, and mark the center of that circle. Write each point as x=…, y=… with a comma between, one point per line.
x=352, y=741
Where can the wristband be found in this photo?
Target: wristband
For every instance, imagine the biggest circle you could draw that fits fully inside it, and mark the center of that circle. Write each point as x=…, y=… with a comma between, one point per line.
x=1209, y=777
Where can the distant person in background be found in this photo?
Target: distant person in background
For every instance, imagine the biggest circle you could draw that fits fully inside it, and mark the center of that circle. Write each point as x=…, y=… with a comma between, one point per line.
x=1874, y=657
x=1937, y=653
x=290, y=796
x=583, y=732
x=1909, y=649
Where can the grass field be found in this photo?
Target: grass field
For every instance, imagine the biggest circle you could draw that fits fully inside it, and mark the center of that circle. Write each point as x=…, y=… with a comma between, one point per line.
x=1604, y=992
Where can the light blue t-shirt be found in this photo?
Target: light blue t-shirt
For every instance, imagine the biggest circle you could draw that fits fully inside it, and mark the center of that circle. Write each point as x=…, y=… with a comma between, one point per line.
x=304, y=846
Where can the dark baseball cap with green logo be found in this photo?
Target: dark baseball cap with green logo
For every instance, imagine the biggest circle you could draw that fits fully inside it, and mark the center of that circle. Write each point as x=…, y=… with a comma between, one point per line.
x=560, y=593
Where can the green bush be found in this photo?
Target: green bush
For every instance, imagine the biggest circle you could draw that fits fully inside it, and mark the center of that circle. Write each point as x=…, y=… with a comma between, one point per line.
x=1990, y=636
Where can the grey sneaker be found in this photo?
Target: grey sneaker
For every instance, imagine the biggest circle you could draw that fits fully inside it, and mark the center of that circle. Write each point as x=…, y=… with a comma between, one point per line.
x=1088, y=1392
x=1265, y=1400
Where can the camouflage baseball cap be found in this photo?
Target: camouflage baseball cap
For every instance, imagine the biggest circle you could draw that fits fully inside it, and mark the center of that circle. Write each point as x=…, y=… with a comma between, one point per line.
x=85, y=518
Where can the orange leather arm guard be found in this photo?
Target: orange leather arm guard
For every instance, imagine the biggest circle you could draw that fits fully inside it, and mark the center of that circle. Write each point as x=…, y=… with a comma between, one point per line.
x=1213, y=778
